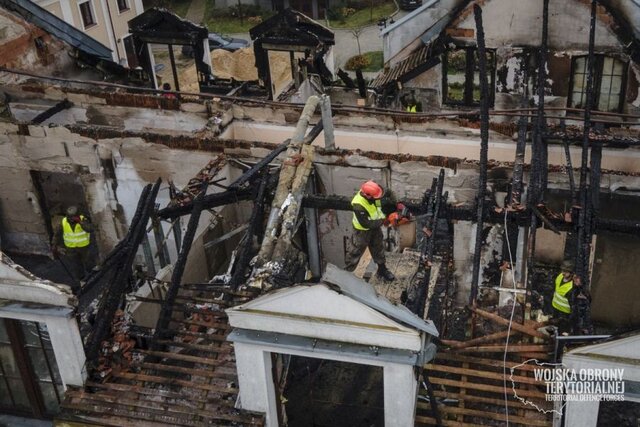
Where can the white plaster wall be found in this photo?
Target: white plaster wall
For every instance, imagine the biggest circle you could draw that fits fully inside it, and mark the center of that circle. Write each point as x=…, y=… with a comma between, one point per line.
x=520, y=24
x=413, y=25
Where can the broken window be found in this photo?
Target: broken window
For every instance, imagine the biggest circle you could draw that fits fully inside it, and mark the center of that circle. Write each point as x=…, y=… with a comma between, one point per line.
x=86, y=12
x=461, y=76
x=30, y=382
x=608, y=83
x=123, y=5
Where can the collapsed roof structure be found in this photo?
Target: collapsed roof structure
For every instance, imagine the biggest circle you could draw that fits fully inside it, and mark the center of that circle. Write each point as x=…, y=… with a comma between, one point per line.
x=218, y=218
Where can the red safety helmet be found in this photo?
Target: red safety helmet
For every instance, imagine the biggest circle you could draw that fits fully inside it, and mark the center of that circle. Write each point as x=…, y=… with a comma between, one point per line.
x=371, y=190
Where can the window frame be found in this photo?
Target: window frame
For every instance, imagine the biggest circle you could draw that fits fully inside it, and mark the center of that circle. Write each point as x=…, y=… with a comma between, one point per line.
x=469, y=72
x=92, y=11
x=124, y=10
x=597, y=80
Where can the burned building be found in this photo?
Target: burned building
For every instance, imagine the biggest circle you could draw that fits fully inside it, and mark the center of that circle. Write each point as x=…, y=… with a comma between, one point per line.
x=431, y=54
x=222, y=225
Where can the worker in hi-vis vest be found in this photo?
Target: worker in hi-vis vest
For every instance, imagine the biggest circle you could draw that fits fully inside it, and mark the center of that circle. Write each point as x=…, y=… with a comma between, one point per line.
x=368, y=218
x=73, y=240
x=567, y=289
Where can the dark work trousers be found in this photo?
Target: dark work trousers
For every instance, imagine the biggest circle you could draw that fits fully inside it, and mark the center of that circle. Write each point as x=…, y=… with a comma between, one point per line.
x=79, y=261
x=563, y=321
x=360, y=240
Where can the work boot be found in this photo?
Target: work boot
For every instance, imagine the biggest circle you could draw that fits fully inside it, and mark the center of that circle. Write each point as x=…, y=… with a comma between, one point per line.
x=385, y=274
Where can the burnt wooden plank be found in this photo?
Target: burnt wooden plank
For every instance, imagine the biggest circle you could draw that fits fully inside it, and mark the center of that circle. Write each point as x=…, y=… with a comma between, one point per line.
x=482, y=374
x=485, y=387
x=175, y=381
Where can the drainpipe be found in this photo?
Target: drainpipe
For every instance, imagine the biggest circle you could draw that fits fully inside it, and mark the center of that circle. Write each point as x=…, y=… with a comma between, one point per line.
x=113, y=31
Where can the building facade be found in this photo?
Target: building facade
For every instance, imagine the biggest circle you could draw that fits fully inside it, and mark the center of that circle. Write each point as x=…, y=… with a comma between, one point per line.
x=104, y=20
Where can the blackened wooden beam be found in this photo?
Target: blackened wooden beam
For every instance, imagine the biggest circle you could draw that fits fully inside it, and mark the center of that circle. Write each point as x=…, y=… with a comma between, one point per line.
x=60, y=106
x=113, y=295
x=178, y=269
x=209, y=202
x=257, y=218
x=484, y=150
x=584, y=239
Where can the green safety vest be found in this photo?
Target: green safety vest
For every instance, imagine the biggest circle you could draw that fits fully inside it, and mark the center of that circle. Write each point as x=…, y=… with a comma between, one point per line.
x=74, y=237
x=411, y=108
x=373, y=209
x=560, y=301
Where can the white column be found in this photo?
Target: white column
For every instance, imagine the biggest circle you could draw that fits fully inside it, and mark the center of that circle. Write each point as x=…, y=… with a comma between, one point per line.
x=255, y=378
x=67, y=346
x=67, y=15
x=108, y=23
x=207, y=56
x=400, y=394
x=581, y=414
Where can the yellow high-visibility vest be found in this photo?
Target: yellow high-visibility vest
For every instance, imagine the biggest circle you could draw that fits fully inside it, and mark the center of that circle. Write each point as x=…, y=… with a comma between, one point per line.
x=411, y=108
x=373, y=209
x=560, y=301
x=74, y=237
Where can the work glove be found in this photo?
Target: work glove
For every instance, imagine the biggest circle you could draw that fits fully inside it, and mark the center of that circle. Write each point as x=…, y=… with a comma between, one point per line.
x=395, y=219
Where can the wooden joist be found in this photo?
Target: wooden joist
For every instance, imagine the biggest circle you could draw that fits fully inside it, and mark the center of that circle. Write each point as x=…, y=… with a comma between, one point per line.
x=505, y=322
x=485, y=387
x=513, y=402
x=490, y=415
x=517, y=348
x=185, y=413
x=176, y=382
x=482, y=374
x=184, y=357
x=208, y=373
x=444, y=357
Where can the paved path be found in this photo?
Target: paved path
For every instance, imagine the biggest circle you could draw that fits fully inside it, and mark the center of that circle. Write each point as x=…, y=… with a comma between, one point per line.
x=347, y=43
x=195, y=13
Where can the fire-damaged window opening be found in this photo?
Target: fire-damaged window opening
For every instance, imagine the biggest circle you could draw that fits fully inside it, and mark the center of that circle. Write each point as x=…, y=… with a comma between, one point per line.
x=461, y=76
x=29, y=377
x=609, y=81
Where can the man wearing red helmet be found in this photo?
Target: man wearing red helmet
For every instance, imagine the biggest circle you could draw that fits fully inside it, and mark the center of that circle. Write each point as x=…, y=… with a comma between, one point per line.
x=368, y=217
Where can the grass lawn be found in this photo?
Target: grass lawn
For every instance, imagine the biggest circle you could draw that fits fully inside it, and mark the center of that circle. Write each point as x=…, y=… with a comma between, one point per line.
x=376, y=61
x=179, y=7
x=364, y=17
x=218, y=21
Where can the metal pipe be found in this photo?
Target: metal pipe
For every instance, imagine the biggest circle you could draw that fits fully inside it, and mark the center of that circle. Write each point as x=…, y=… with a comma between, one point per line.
x=327, y=121
x=313, y=243
x=303, y=122
x=148, y=256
